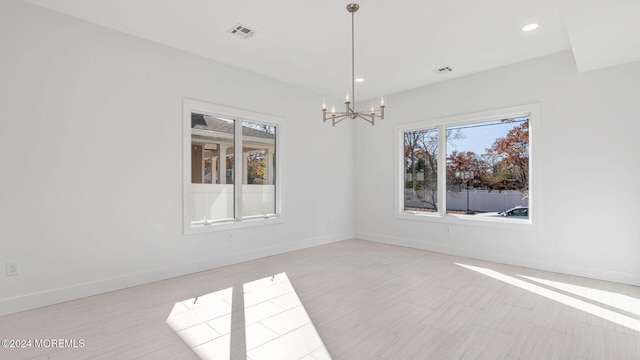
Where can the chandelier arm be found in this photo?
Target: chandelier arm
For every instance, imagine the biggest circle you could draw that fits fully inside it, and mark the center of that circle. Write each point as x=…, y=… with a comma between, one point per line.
x=379, y=113
x=338, y=119
x=368, y=118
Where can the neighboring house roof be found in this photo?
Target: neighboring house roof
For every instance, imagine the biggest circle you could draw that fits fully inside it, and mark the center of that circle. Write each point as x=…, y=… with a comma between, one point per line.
x=206, y=122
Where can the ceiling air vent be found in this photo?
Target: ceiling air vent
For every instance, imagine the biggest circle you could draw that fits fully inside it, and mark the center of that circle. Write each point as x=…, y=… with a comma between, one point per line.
x=242, y=31
x=443, y=70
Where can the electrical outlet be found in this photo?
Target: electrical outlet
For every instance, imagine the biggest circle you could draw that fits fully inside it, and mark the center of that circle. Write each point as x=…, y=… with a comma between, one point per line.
x=12, y=268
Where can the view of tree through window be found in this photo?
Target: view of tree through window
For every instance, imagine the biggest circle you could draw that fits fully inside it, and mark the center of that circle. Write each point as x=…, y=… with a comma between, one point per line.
x=488, y=167
x=421, y=170
x=486, y=170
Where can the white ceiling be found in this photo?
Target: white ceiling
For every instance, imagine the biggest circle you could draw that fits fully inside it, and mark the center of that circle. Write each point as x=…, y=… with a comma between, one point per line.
x=399, y=43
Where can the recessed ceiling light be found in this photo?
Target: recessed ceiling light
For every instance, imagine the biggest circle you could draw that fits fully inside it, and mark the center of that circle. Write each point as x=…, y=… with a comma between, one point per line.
x=530, y=27
x=359, y=80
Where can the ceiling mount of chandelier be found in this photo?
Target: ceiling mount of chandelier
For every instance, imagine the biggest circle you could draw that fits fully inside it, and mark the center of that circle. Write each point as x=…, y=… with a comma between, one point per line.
x=350, y=112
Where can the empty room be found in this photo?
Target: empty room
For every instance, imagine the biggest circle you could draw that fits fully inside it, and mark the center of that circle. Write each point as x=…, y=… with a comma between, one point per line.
x=381, y=180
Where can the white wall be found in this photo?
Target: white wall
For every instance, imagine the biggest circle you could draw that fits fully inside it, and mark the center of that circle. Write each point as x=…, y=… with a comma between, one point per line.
x=586, y=161
x=91, y=156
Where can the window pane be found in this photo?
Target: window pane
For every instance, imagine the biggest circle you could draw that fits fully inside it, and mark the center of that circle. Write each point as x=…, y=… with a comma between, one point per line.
x=258, y=169
x=421, y=170
x=488, y=168
x=211, y=168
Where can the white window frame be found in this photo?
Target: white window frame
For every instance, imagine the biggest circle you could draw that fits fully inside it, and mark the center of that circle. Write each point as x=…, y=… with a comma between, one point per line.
x=441, y=124
x=201, y=107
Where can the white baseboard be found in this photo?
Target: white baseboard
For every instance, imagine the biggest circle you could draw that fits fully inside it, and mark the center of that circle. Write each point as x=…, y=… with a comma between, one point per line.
x=540, y=264
x=54, y=296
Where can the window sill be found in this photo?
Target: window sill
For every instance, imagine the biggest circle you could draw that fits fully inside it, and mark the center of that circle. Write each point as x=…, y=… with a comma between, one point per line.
x=472, y=220
x=201, y=227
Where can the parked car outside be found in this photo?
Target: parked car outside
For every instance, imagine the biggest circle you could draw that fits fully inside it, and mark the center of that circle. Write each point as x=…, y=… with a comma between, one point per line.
x=516, y=211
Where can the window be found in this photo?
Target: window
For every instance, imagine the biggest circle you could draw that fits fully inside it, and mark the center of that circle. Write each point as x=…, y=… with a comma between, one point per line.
x=472, y=167
x=258, y=169
x=488, y=166
x=231, y=168
x=421, y=170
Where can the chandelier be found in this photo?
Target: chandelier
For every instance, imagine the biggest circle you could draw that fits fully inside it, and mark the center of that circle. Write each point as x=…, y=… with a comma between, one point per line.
x=350, y=103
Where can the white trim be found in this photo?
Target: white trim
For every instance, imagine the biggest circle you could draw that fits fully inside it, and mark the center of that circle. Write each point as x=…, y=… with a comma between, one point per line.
x=531, y=110
x=442, y=175
x=238, y=115
x=233, y=224
x=238, y=173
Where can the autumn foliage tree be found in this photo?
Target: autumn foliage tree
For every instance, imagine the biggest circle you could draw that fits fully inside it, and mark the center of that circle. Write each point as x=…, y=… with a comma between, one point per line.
x=461, y=161
x=503, y=166
x=512, y=169
x=256, y=168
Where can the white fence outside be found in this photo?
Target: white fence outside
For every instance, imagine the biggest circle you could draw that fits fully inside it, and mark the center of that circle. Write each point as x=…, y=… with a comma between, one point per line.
x=479, y=200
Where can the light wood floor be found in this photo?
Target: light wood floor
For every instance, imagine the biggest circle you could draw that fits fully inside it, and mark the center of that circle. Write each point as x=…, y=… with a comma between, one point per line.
x=367, y=301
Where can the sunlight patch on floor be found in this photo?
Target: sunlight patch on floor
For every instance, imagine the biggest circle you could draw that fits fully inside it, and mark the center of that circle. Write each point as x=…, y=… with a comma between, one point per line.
x=204, y=323
x=276, y=325
x=582, y=305
x=619, y=301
